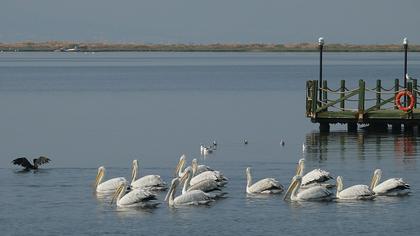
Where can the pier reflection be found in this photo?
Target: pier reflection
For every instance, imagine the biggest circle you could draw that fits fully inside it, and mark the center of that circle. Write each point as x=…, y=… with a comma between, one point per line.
x=361, y=145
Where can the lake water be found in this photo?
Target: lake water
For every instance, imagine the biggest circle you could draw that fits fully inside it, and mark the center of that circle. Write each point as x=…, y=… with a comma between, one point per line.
x=86, y=110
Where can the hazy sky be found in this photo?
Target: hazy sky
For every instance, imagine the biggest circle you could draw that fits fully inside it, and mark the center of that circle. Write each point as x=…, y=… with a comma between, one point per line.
x=211, y=21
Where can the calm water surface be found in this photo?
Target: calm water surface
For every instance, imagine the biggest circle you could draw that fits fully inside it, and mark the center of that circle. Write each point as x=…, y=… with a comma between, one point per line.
x=87, y=110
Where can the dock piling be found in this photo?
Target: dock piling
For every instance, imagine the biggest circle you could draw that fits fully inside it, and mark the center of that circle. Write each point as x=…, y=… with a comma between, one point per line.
x=325, y=93
x=361, y=106
x=396, y=89
x=324, y=127
x=396, y=128
x=342, y=91
x=352, y=127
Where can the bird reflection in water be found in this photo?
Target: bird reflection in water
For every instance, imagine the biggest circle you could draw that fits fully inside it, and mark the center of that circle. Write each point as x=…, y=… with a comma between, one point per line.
x=137, y=212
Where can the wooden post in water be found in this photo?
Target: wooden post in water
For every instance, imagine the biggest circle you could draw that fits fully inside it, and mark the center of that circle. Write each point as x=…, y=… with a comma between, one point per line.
x=379, y=126
x=342, y=90
x=396, y=127
x=308, y=97
x=396, y=89
x=352, y=127
x=410, y=89
x=361, y=107
x=324, y=93
x=324, y=127
x=410, y=86
x=314, y=98
x=409, y=128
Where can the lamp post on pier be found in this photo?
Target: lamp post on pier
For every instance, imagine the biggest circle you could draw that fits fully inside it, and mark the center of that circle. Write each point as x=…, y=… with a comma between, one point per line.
x=321, y=47
x=405, y=43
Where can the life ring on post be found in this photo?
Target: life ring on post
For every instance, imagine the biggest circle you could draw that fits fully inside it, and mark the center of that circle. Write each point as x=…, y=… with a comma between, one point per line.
x=398, y=100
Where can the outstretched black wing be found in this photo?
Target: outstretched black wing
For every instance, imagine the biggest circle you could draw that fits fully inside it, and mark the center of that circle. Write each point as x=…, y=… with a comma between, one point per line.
x=23, y=162
x=41, y=160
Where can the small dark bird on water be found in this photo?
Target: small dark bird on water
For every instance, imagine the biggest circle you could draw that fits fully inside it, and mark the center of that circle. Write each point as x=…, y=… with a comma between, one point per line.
x=28, y=166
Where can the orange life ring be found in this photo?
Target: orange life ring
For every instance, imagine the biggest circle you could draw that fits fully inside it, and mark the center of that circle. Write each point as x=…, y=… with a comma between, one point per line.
x=398, y=100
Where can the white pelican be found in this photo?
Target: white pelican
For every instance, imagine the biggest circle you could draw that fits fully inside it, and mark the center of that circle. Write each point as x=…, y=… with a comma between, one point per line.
x=199, y=168
x=210, y=174
x=390, y=187
x=108, y=186
x=135, y=198
x=316, y=193
x=194, y=197
x=314, y=177
x=178, y=169
x=151, y=182
x=207, y=185
x=355, y=192
x=267, y=185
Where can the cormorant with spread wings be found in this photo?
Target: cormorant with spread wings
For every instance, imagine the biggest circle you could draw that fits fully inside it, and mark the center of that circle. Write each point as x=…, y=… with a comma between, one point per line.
x=28, y=166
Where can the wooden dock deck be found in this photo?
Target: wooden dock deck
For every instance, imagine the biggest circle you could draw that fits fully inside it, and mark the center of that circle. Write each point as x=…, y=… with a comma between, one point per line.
x=375, y=106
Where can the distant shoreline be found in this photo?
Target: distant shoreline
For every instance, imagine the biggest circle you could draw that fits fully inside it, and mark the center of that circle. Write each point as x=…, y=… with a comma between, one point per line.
x=65, y=46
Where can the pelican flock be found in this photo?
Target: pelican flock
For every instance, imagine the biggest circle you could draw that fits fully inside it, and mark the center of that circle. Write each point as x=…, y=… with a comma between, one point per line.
x=202, y=184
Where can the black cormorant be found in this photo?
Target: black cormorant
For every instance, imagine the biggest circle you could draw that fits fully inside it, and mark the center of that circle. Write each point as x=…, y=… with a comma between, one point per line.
x=28, y=166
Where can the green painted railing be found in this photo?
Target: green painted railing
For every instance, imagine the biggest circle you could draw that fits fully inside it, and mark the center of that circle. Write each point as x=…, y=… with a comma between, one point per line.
x=359, y=101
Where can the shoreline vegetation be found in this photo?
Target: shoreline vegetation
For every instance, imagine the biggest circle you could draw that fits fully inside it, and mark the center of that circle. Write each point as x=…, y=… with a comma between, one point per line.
x=65, y=46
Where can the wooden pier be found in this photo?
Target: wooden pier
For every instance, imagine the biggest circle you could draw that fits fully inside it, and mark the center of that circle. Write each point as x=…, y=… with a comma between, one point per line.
x=374, y=106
